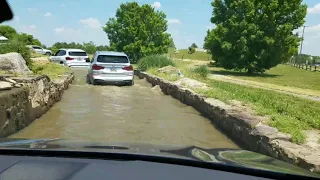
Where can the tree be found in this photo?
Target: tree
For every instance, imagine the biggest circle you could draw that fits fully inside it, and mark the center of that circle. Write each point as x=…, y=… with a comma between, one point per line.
x=254, y=35
x=7, y=31
x=191, y=50
x=27, y=39
x=194, y=45
x=171, y=44
x=138, y=31
x=102, y=48
x=89, y=47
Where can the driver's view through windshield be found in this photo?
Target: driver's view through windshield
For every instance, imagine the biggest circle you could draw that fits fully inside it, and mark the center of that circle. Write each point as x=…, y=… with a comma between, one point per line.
x=230, y=86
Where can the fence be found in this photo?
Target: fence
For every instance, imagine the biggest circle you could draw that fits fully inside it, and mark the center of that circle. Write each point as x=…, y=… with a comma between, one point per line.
x=190, y=56
x=313, y=67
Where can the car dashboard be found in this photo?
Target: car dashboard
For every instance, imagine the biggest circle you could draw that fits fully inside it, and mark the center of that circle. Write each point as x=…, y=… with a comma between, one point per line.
x=54, y=168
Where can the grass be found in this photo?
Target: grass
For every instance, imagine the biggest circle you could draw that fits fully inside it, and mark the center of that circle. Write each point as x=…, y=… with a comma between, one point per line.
x=200, y=56
x=281, y=75
x=36, y=55
x=52, y=70
x=202, y=71
x=287, y=113
x=154, y=61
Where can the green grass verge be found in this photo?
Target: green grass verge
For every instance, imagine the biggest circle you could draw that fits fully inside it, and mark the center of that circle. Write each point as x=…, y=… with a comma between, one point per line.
x=281, y=75
x=287, y=113
x=200, y=56
x=52, y=70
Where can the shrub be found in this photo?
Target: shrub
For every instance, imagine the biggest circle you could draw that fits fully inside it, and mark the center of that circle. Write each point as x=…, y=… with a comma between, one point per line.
x=201, y=71
x=19, y=48
x=154, y=61
x=191, y=50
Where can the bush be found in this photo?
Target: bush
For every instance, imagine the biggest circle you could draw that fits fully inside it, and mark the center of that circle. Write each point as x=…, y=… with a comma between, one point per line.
x=201, y=71
x=154, y=61
x=19, y=48
x=191, y=50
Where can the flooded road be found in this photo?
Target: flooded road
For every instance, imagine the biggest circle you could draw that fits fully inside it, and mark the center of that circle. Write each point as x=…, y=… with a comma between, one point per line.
x=137, y=114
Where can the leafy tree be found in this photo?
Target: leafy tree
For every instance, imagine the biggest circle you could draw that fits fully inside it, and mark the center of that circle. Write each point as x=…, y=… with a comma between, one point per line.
x=138, y=30
x=27, y=39
x=194, y=45
x=7, y=31
x=103, y=48
x=171, y=44
x=89, y=47
x=191, y=50
x=254, y=35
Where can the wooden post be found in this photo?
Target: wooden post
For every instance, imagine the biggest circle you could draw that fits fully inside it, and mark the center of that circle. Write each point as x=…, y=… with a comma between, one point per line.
x=182, y=56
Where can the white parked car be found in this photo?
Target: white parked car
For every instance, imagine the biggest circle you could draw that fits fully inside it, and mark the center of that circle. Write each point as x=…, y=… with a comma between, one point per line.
x=40, y=50
x=109, y=66
x=71, y=58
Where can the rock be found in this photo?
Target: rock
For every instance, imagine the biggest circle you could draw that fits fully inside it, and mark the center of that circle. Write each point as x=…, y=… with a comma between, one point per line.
x=191, y=83
x=156, y=88
x=14, y=63
x=168, y=70
x=5, y=85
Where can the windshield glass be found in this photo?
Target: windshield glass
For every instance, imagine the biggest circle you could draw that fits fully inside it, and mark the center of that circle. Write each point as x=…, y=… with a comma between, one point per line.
x=77, y=53
x=112, y=59
x=219, y=78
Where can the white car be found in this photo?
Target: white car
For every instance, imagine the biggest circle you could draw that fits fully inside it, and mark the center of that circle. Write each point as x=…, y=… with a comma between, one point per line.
x=40, y=50
x=71, y=58
x=107, y=66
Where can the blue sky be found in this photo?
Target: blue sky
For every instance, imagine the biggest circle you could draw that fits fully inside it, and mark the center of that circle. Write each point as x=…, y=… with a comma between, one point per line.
x=81, y=20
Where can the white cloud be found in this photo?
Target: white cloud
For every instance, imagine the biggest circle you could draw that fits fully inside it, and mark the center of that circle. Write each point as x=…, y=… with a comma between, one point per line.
x=91, y=23
x=64, y=30
x=174, y=21
x=48, y=14
x=156, y=5
x=315, y=9
x=63, y=5
x=32, y=9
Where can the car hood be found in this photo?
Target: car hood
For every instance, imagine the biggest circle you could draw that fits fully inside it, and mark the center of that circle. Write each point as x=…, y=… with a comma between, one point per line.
x=234, y=157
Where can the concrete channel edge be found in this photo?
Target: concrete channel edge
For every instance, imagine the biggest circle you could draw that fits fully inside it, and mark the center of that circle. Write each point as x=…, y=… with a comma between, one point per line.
x=19, y=107
x=242, y=127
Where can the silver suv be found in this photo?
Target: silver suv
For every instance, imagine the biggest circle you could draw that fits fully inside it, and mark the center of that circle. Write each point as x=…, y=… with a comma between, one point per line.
x=108, y=66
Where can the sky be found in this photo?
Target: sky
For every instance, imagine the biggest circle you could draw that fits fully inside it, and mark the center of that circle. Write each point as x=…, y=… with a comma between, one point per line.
x=80, y=21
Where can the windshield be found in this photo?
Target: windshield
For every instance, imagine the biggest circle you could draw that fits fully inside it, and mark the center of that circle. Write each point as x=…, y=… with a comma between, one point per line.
x=112, y=59
x=214, y=75
x=76, y=53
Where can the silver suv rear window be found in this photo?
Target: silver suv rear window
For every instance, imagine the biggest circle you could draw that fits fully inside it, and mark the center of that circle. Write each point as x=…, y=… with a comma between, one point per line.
x=112, y=59
x=77, y=53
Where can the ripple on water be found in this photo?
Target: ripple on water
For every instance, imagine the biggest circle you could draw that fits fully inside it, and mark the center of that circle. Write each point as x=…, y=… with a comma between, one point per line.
x=135, y=114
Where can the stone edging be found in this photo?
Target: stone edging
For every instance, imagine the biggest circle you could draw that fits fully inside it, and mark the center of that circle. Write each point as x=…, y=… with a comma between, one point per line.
x=19, y=107
x=244, y=128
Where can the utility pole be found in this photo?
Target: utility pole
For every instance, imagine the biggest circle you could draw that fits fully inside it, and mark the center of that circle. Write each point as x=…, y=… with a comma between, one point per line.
x=302, y=42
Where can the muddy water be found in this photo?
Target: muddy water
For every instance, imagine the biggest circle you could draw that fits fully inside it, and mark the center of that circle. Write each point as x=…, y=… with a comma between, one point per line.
x=137, y=114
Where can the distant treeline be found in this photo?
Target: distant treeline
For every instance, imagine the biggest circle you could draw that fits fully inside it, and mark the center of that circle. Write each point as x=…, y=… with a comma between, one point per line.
x=89, y=47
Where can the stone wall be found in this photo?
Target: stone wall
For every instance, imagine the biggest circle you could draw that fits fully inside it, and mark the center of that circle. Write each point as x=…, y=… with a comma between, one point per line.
x=21, y=106
x=242, y=126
